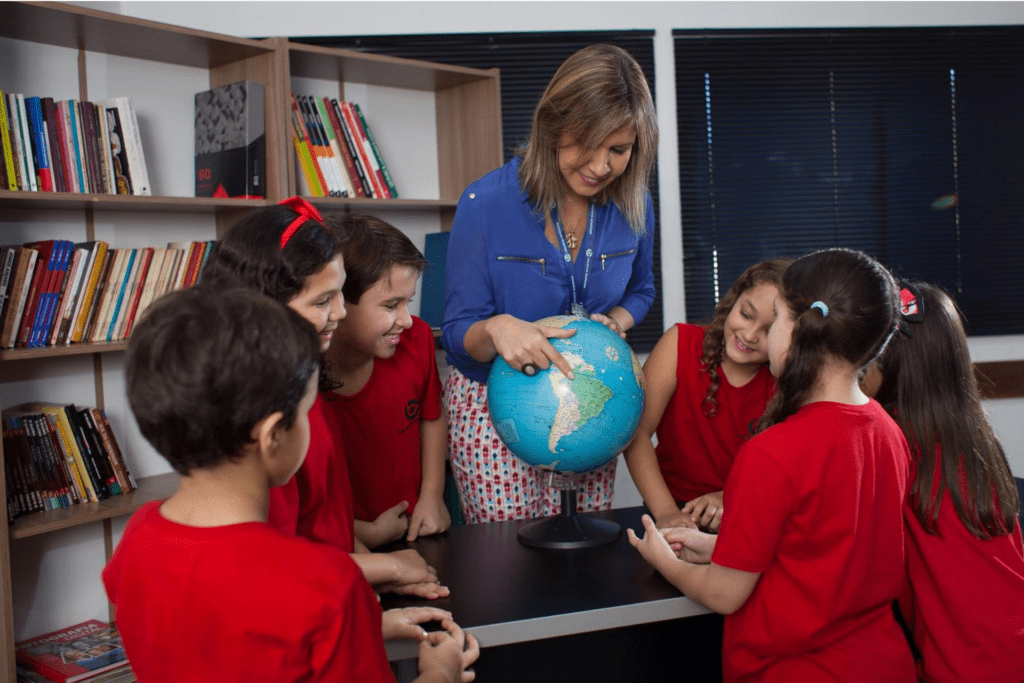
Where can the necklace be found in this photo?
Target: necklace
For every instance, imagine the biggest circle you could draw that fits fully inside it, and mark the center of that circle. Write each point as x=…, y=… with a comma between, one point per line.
x=570, y=234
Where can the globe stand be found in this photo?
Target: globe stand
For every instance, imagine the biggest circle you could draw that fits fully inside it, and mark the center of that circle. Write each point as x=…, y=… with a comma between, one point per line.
x=570, y=529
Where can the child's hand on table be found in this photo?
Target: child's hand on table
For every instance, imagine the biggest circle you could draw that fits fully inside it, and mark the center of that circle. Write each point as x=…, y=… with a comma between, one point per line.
x=430, y=517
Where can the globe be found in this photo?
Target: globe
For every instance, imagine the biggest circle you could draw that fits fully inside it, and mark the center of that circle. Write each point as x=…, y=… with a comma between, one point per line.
x=563, y=425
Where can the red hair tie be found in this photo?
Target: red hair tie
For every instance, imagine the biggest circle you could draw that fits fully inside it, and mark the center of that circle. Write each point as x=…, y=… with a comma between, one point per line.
x=306, y=212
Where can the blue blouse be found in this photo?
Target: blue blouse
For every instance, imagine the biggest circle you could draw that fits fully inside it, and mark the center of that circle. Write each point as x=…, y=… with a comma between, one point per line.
x=500, y=261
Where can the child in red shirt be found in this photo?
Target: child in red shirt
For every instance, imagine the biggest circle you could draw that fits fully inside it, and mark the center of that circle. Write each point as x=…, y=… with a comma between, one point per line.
x=705, y=388
x=286, y=253
x=809, y=559
x=221, y=382
x=964, y=601
x=389, y=403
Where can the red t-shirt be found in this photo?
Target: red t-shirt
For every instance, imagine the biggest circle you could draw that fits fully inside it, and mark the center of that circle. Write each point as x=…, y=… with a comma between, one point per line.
x=815, y=507
x=696, y=452
x=380, y=424
x=317, y=502
x=964, y=602
x=241, y=603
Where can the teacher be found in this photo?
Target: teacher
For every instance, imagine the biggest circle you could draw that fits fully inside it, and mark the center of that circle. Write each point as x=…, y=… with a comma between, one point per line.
x=565, y=227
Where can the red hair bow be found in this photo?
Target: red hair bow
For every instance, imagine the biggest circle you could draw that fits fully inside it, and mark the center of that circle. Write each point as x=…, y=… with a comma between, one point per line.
x=910, y=308
x=306, y=212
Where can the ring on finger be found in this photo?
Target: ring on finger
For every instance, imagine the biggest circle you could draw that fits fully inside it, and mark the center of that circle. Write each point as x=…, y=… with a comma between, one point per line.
x=529, y=369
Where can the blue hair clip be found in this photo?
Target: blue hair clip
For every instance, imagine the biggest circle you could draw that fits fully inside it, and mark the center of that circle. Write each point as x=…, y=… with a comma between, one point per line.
x=820, y=305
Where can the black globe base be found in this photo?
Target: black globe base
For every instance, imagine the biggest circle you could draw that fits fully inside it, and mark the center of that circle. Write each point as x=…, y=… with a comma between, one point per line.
x=570, y=529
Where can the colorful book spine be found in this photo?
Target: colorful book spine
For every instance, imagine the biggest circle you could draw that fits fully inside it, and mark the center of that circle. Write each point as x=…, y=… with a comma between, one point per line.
x=5, y=140
x=40, y=146
x=392, y=190
x=306, y=162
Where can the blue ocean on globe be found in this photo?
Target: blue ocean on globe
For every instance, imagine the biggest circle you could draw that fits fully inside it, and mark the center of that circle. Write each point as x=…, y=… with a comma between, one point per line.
x=566, y=425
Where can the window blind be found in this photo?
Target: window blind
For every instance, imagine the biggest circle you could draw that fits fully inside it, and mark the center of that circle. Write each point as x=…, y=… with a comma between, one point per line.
x=905, y=143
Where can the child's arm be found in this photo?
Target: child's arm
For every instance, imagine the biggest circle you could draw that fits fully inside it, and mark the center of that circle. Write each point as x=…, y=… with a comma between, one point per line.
x=660, y=380
x=403, y=571
x=431, y=515
x=389, y=526
x=720, y=588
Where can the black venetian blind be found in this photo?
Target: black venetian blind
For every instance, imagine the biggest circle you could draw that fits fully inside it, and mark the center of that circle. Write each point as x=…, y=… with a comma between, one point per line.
x=527, y=62
x=905, y=143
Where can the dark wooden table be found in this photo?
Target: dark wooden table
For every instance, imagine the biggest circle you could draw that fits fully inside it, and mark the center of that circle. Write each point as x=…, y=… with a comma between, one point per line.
x=591, y=614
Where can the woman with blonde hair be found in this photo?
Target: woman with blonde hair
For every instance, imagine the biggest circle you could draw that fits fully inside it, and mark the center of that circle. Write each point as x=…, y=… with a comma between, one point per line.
x=566, y=227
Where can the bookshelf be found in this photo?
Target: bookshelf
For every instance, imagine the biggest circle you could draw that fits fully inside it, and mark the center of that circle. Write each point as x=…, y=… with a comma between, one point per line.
x=67, y=51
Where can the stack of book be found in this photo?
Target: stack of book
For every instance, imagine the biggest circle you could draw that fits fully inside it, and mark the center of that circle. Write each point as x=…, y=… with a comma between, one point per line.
x=71, y=146
x=337, y=153
x=91, y=651
x=56, y=456
x=54, y=292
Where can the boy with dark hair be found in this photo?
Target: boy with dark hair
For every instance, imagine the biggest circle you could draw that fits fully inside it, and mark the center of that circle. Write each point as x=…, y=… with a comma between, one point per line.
x=221, y=383
x=389, y=402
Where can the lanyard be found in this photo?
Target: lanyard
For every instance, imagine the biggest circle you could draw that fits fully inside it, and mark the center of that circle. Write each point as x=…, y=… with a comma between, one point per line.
x=577, y=306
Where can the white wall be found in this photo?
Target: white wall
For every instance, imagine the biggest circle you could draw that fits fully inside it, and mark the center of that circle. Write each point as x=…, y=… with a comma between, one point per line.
x=55, y=574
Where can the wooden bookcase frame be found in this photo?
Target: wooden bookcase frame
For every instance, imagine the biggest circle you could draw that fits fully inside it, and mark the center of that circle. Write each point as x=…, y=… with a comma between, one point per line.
x=468, y=111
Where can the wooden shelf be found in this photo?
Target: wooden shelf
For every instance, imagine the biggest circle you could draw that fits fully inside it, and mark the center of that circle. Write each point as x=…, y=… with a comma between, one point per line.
x=112, y=202
x=158, y=487
x=54, y=351
x=337, y=64
x=66, y=25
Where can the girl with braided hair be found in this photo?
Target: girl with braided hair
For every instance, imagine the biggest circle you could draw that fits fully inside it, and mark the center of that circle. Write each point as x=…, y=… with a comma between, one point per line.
x=706, y=387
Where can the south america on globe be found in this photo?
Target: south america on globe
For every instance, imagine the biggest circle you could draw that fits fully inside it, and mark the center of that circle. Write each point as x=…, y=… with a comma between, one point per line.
x=564, y=425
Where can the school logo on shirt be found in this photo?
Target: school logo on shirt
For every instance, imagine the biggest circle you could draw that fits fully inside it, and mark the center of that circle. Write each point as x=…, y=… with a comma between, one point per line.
x=412, y=414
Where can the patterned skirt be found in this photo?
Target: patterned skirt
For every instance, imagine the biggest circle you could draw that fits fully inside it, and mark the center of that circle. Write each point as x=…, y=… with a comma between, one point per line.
x=494, y=484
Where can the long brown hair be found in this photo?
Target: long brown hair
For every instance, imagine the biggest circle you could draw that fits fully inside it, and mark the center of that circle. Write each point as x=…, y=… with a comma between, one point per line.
x=928, y=384
x=769, y=271
x=860, y=302
x=594, y=93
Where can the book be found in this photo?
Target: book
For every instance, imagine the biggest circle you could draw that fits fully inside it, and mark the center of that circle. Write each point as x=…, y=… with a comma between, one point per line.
x=332, y=139
x=304, y=151
x=72, y=292
x=31, y=174
x=90, y=457
x=53, y=139
x=231, y=141
x=106, y=158
x=72, y=454
x=38, y=138
x=111, y=290
x=5, y=141
x=83, y=307
x=357, y=159
x=346, y=153
x=333, y=161
x=75, y=653
x=91, y=146
x=78, y=121
x=315, y=152
x=40, y=473
x=101, y=296
x=381, y=166
x=124, y=281
x=18, y=464
x=24, y=270
x=366, y=154
x=48, y=256
x=107, y=432
x=102, y=463
x=49, y=297
x=117, y=481
x=61, y=296
x=134, y=293
x=132, y=140
x=8, y=256
x=118, y=154
x=75, y=149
